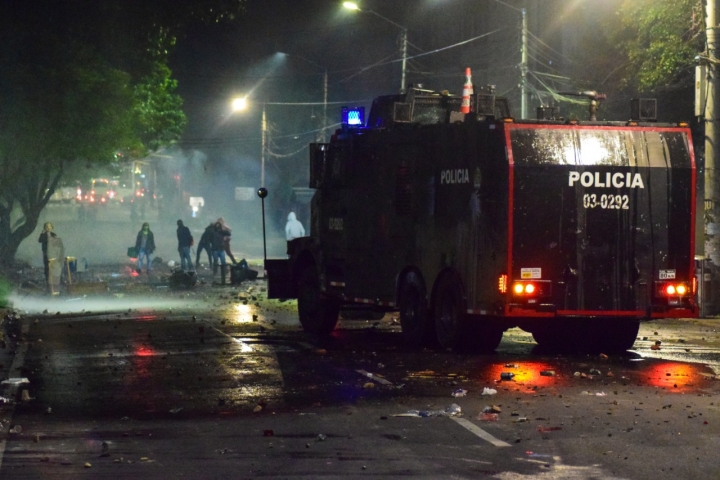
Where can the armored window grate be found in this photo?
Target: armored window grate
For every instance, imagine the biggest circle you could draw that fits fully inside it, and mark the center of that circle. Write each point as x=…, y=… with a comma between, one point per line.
x=402, y=112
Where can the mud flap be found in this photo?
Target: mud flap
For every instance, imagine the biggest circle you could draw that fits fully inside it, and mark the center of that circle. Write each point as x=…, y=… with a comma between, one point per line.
x=280, y=282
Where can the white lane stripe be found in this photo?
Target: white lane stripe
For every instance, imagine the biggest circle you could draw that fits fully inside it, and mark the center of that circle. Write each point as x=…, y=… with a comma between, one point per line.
x=480, y=432
x=11, y=390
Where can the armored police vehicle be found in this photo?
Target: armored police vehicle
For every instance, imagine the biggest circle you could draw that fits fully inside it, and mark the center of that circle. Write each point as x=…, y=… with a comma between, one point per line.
x=470, y=224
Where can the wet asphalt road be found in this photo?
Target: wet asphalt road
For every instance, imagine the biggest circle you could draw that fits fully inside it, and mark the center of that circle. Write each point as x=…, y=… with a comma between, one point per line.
x=225, y=385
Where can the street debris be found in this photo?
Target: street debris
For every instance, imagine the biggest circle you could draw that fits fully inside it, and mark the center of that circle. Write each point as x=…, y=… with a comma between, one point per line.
x=549, y=429
x=512, y=365
x=459, y=393
x=268, y=433
x=451, y=411
x=16, y=381
x=372, y=376
x=257, y=409
x=5, y=400
x=488, y=391
x=320, y=437
x=176, y=410
x=507, y=376
x=521, y=420
x=547, y=373
x=488, y=417
x=492, y=409
x=596, y=394
x=15, y=429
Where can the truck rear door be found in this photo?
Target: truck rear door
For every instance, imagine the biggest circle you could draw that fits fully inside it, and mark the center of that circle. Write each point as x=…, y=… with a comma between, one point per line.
x=599, y=216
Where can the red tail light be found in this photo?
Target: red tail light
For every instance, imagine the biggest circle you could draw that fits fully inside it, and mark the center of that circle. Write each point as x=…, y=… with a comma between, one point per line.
x=673, y=289
x=535, y=288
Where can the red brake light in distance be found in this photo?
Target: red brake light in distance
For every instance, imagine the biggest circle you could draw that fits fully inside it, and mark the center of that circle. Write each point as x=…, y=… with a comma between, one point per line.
x=667, y=289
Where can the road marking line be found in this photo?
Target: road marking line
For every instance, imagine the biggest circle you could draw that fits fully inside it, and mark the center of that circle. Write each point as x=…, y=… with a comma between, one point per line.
x=480, y=432
x=11, y=390
x=371, y=376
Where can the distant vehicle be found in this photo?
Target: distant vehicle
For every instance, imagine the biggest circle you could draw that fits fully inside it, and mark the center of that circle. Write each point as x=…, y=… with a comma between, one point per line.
x=64, y=195
x=469, y=224
x=99, y=193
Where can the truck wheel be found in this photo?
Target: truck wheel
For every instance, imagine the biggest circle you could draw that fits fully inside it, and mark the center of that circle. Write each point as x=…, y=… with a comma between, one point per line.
x=449, y=312
x=317, y=314
x=414, y=319
x=614, y=336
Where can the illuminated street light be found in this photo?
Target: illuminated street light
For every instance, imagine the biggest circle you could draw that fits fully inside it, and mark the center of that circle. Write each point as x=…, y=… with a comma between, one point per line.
x=403, y=37
x=239, y=104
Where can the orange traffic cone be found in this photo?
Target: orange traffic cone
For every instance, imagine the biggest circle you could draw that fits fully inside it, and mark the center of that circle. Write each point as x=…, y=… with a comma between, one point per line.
x=467, y=91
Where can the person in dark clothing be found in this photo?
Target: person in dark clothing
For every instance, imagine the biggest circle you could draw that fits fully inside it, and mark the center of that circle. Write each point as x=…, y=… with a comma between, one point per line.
x=185, y=241
x=46, y=233
x=227, y=228
x=206, y=244
x=218, y=249
x=145, y=245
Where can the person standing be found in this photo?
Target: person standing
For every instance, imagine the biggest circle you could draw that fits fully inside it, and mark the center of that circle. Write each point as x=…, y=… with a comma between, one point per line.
x=226, y=246
x=145, y=245
x=293, y=228
x=47, y=232
x=185, y=241
x=218, y=249
x=206, y=244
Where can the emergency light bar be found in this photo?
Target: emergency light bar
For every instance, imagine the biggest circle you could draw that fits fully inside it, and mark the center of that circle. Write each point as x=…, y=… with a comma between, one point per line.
x=354, y=116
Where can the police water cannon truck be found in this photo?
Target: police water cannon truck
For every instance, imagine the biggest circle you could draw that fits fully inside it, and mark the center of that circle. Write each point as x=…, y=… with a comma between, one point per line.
x=468, y=224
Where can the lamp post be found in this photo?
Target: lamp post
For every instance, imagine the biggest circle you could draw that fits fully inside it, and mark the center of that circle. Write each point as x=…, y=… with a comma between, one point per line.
x=240, y=104
x=403, y=38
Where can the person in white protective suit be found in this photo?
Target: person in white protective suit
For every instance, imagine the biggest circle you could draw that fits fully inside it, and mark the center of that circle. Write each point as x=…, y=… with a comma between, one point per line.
x=293, y=228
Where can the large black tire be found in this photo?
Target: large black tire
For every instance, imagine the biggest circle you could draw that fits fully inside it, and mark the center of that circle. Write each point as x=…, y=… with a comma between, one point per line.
x=587, y=335
x=454, y=328
x=415, y=322
x=619, y=335
x=350, y=314
x=318, y=314
x=449, y=312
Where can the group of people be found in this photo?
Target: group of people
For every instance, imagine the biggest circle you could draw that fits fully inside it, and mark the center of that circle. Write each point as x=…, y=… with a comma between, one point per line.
x=215, y=240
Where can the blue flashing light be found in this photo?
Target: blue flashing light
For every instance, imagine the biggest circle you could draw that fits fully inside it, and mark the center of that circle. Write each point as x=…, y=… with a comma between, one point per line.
x=354, y=116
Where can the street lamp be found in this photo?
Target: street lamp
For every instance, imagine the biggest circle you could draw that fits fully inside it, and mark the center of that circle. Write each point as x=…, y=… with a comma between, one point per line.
x=403, y=37
x=240, y=104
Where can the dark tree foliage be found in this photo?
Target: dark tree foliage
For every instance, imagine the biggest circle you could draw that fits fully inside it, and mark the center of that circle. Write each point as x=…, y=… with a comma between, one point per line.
x=79, y=80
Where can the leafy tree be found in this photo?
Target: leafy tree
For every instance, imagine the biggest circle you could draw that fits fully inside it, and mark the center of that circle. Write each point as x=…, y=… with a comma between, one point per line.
x=78, y=81
x=659, y=39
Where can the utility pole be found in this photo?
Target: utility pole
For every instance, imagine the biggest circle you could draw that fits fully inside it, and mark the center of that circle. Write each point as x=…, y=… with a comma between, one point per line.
x=712, y=137
x=404, y=42
x=325, y=95
x=523, y=67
